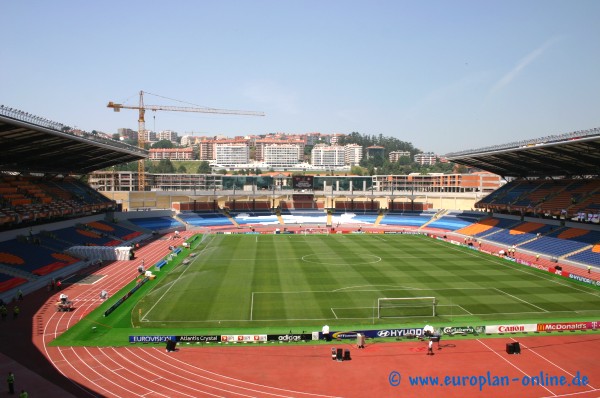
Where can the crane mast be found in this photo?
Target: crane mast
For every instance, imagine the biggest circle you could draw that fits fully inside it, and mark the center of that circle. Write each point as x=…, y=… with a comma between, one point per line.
x=141, y=143
x=142, y=124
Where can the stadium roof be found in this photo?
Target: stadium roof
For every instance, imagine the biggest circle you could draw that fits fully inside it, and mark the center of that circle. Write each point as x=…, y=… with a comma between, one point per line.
x=567, y=155
x=36, y=145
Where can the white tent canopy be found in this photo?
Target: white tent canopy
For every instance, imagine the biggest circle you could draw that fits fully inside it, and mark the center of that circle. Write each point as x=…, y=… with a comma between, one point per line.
x=100, y=252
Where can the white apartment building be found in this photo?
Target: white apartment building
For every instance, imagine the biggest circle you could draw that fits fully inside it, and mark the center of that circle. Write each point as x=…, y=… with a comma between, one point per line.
x=260, y=146
x=353, y=154
x=426, y=158
x=396, y=155
x=335, y=138
x=229, y=153
x=150, y=136
x=206, y=149
x=189, y=140
x=328, y=156
x=168, y=135
x=171, y=153
x=282, y=155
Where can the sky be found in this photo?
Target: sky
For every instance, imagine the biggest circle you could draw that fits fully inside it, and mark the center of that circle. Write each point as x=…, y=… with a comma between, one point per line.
x=445, y=76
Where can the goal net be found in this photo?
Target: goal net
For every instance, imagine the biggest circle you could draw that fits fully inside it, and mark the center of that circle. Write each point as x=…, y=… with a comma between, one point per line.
x=405, y=307
x=315, y=231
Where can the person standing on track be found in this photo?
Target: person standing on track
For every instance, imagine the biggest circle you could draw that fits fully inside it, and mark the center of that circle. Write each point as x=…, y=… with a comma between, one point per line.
x=11, y=382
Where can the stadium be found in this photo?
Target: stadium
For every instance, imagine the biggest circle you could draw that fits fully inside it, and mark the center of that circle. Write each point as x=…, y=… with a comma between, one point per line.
x=312, y=287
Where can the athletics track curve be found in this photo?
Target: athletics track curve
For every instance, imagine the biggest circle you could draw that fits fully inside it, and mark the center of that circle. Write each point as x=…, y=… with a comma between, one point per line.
x=289, y=370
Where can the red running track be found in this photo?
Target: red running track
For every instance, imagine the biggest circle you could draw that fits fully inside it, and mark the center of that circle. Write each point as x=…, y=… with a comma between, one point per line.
x=300, y=370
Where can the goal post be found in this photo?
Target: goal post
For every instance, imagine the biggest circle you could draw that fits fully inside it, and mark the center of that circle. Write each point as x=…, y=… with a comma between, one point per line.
x=315, y=231
x=406, y=307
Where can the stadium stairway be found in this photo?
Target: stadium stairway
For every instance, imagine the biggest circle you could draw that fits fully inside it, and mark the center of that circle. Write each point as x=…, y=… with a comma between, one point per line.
x=176, y=216
x=574, y=252
x=231, y=219
x=379, y=217
x=280, y=218
x=145, y=231
x=437, y=215
x=17, y=273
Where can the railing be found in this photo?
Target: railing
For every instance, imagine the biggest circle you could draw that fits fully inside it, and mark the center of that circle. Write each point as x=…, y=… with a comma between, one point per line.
x=26, y=117
x=533, y=142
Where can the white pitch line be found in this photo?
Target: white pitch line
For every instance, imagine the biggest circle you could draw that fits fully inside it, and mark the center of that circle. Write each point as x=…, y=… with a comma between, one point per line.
x=464, y=309
x=524, y=269
x=513, y=365
x=552, y=363
x=524, y=301
x=170, y=287
x=251, y=305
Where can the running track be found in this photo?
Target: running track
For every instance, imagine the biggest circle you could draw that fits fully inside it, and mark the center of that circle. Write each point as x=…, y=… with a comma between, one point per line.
x=294, y=370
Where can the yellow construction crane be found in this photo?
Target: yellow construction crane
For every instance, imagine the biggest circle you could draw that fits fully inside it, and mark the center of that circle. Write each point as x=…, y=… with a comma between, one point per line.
x=142, y=124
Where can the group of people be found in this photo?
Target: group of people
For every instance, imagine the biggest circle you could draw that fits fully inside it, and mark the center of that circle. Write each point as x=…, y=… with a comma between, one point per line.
x=54, y=284
x=4, y=310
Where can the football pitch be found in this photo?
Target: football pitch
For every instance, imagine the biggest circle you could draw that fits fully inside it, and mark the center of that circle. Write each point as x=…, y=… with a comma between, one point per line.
x=263, y=281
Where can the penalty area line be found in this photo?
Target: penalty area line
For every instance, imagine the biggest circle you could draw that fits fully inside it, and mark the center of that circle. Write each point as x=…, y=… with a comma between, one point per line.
x=517, y=298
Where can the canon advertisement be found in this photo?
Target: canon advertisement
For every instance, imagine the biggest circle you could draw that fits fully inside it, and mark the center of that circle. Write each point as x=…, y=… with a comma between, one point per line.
x=528, y=327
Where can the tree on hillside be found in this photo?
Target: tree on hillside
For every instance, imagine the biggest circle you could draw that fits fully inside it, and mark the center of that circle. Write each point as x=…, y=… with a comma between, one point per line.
x=163, y=166
x=163, y=144
x=204, y=168
x=357, y=170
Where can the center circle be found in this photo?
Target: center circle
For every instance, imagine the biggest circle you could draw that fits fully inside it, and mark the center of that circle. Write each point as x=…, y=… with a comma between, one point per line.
x=332, y=259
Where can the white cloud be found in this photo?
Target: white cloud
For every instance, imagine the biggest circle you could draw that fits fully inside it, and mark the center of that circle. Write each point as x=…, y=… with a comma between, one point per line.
x=521, y=65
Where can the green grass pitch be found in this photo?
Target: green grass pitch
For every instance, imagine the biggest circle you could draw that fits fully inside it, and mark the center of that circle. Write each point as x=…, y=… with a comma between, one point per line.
x=309, y=280
x=277, y=283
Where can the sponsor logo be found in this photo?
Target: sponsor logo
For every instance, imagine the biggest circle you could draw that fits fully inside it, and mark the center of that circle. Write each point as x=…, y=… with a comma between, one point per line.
x=584, y=279
x=290, y=337
x=399, y=332
x=245, y=338
x=450, y=330
x=150, y=339
x=344, y=335
x=527, y=327
x=190, y=339
x=548, y=327
x=511, y=328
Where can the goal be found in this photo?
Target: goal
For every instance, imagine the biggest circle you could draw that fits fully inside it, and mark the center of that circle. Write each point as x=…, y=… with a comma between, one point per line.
x=315, y=231
x=405, y=307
